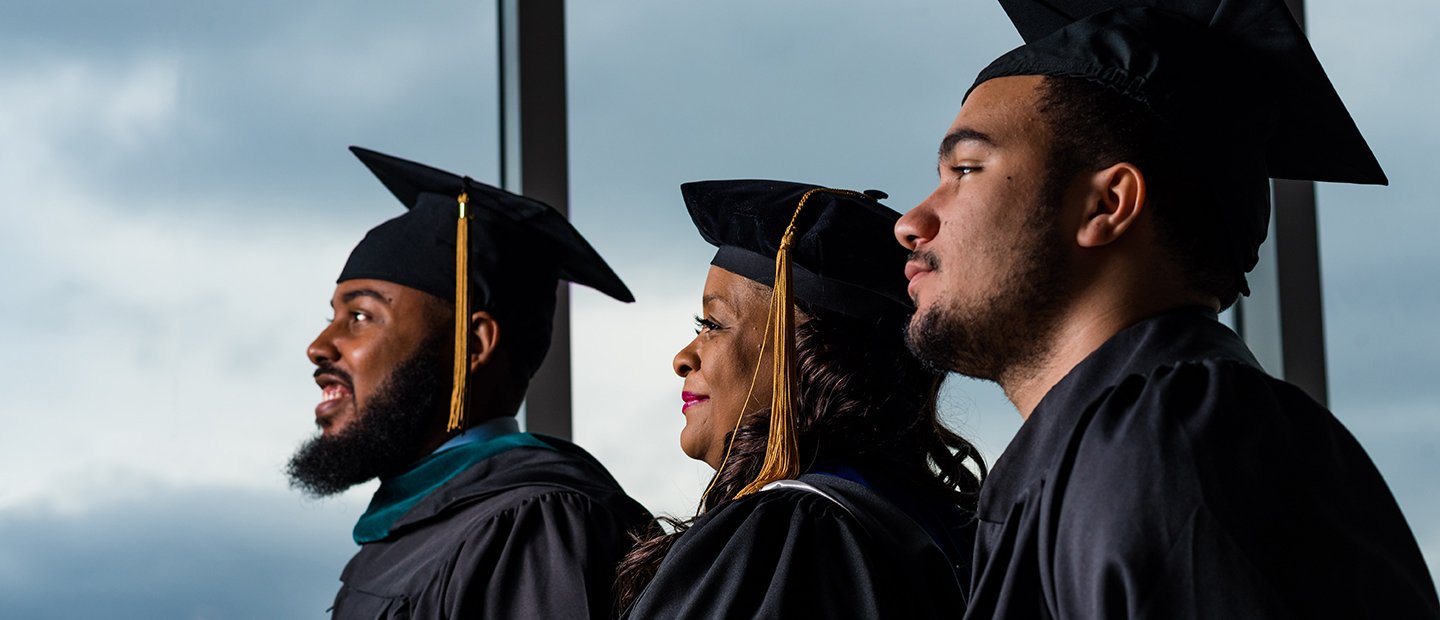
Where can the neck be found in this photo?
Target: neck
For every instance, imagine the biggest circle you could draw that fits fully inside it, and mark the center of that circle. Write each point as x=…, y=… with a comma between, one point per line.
x=1087, y=323
x=484, y=406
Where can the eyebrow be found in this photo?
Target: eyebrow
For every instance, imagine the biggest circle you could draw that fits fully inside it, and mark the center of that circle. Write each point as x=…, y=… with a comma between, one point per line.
x=964, y=134
x=364, y=292
x=708, y=298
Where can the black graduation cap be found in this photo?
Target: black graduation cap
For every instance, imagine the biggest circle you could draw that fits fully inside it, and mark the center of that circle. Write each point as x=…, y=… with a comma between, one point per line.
x=517, y=249
x=844, y=253
x=830, y=248
x=1234, y=82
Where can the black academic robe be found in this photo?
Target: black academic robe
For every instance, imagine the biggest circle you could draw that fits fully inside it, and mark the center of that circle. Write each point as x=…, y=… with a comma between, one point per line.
x=791, y=553
x=1167, y=476
x=528, y=533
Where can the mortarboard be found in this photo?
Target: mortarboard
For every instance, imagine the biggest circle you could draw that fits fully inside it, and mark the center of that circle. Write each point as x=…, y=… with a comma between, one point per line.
x=517, y=249
x=830, y=248
x=1234, y=83
x=844, y=253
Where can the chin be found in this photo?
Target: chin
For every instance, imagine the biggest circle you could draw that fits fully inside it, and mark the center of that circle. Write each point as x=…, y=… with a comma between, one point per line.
x=691, y=451
x=334, y=429
x=339, y=421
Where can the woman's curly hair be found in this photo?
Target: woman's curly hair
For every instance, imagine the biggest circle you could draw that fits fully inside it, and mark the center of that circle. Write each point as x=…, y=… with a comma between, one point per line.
x=862, y=398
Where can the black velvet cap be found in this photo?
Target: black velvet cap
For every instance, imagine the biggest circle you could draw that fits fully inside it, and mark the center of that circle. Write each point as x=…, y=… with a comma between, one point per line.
x=1191, y=60
x=844, y=255
x=519, y=249
x=1235, y=84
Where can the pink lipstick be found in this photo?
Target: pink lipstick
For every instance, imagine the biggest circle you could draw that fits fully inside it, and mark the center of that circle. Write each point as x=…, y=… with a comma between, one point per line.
x=691, y=399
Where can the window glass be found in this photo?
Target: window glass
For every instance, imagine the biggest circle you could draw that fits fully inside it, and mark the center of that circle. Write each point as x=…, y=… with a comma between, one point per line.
x=854, y=95
x=858, y=96
x=1377, y=248
x=178, y=200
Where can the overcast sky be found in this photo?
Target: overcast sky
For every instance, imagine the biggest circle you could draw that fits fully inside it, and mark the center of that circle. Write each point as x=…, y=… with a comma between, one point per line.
x=177, y=200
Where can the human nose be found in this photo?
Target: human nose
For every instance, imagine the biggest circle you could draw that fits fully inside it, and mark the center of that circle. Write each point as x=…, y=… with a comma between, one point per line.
x=687, y=360
x=322, y=350
x=918, y=226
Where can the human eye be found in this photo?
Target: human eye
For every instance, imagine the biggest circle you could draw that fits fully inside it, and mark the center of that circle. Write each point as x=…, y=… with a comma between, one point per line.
x=704, y=325
x=964, y=170
x=350, y=317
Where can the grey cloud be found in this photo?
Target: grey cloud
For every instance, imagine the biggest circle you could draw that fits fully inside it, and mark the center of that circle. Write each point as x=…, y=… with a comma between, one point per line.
x=273, y=91
x=203, y=553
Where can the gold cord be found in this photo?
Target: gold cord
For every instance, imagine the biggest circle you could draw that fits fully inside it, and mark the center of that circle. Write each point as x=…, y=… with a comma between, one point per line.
x=729, y=445
x=782, y=450
x=462, y=317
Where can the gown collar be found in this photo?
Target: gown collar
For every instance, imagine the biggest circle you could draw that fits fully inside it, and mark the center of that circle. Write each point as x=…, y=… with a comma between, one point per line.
x=1167, y=339
x=484, y=431
x=397, y=495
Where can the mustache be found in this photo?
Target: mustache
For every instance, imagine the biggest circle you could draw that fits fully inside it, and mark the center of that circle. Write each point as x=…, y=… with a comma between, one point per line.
x=931, y=261
x=327, y=369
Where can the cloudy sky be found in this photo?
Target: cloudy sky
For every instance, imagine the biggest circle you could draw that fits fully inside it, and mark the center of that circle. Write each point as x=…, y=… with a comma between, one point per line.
x=177, y=200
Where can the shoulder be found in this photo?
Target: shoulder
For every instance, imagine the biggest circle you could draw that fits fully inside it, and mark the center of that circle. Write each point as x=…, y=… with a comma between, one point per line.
x=1161, y=446
x=1188, y=414
x=787, y=504
x=1183, y=390
x=765, y=555
x=829, y=521
x=1212, y=469
x=540, y=476
x=532, y=508
x=781, y=553
x=1184, y=405
x=445, y=555
x=768, y=519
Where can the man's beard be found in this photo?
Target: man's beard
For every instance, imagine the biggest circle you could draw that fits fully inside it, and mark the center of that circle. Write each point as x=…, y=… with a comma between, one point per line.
x=385, y=436
x=1006, y=334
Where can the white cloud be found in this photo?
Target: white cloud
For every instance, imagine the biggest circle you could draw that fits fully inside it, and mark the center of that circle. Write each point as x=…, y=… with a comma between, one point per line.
x=147, y=331
x=627, y=398
x=70, y=100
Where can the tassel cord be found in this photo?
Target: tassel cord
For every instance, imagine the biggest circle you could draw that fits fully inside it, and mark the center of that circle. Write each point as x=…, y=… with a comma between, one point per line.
x=461, y=375
x=782, y=451
x=782, y=447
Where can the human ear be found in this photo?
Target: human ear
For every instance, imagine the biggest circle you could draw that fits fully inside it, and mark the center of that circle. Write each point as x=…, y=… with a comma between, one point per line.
x=484, y=339
x=1115, y=201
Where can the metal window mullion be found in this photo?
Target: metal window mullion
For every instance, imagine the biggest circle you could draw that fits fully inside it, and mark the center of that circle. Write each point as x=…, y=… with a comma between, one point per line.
x=534, y=161
x=1283, y=320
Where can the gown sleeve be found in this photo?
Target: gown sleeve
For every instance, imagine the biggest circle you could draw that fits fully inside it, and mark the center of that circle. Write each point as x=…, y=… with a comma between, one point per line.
x=776, y=554
x=1211, y=490
x=551, y=556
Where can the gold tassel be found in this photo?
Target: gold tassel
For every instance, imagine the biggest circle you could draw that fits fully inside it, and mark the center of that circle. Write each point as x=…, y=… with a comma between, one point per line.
x=754, y=377
x=462, y=317
x=782, y=448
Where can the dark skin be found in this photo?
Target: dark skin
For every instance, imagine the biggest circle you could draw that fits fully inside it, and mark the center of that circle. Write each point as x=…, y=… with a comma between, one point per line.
x=991, y=170
x=376, y=326
x=720, y=363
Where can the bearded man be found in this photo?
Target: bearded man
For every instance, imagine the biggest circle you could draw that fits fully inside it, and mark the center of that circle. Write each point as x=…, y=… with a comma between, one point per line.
x=422, y=374
x=1103, y=192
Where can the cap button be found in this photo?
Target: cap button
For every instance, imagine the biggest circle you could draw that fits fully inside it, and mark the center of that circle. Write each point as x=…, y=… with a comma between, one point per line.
x=876, y=194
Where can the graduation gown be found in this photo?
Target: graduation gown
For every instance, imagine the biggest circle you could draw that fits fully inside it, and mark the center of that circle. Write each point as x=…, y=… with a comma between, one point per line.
x=533, y=529
x=794, y=553
x=1167, y=476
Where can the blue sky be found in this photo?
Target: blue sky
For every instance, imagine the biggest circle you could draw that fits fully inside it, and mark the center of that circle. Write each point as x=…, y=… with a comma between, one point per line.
x=178, y=200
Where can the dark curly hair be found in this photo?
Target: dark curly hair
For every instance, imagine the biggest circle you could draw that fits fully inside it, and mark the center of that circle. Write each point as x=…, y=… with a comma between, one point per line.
x=862, y=398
